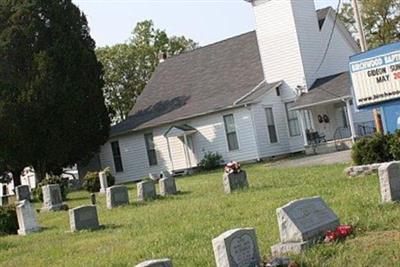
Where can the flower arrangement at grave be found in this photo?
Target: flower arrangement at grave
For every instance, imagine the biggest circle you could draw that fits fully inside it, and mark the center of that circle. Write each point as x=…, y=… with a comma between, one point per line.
x=232, y=167
x=340, y=233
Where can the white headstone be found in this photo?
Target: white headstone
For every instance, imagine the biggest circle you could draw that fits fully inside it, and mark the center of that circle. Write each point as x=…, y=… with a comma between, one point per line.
x=237, y=248
x=26, y=218
x=103, y=182
x=156, y=263
x=389, y=179
x=302, y=222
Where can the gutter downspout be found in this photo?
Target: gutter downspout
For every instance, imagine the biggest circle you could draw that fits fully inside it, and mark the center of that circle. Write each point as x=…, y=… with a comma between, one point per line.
x=255, y=133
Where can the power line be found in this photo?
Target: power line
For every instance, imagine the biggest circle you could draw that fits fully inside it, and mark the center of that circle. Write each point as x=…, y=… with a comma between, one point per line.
x=330, y=37
x=328, y=46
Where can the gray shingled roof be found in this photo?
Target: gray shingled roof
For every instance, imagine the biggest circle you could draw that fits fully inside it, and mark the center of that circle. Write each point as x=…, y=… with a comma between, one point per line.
x=326, y=89
x=202, y=81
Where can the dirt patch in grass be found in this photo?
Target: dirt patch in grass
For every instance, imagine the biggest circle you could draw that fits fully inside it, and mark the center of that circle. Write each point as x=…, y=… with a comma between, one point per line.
x=372, y=240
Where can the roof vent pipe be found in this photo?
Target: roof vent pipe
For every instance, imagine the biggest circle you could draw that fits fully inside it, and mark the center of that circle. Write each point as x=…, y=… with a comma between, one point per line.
x=162, y=56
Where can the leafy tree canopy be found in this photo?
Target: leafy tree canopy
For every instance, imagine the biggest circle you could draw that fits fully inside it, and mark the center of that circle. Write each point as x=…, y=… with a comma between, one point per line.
x=128, y=67
x=381, y=20
x=52, y=111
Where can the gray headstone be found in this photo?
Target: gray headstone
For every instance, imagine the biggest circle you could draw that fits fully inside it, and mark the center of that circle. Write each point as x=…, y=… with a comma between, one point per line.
x=302, y=222
x=117, y=195
x=389, y=179
x=235, y=181
x=26, y=215
x=146, y=190
x=83, y=218
x=167, y=186
x=156, y=263
x=103, y=182
x=52, y=199
x=22, y=192
x=237, y=248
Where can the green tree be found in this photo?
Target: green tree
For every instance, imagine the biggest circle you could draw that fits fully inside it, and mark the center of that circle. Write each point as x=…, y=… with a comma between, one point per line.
x=381, y=19
x=52, y=111
x=128, y=67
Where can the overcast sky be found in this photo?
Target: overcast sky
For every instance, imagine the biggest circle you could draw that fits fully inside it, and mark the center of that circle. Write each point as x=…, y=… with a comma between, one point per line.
x=205, y=21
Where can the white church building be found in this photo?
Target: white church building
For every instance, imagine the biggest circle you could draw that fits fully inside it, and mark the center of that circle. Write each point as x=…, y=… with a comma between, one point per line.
x=277, y=90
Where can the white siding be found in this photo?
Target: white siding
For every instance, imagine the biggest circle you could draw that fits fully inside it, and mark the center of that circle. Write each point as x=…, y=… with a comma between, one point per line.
x=277, y=41
x=286, y=144
x=289, y=40
x=340, y=49
x=210, y=137
x=362, y=116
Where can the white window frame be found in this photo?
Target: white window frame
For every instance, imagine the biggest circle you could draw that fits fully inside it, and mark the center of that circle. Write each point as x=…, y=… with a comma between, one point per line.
x=119, y=156
x=148, y=149
x=274, y=121
x=226, y=132
x=288, y=120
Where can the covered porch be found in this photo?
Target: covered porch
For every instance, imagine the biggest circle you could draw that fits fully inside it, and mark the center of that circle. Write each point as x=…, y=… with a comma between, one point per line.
x=327, y=116
x=181, y=148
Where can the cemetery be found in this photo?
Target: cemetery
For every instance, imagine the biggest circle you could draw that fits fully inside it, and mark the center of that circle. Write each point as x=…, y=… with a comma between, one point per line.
x=191, y=221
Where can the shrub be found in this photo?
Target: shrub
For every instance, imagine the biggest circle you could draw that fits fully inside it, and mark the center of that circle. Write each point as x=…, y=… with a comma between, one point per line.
x=210, y=161
x=92, y=182
x=63, y=182
x=395, y=145
x=374, y=149
x=8, y=220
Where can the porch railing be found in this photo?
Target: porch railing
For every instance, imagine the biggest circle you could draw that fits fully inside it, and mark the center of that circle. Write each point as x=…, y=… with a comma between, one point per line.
x=362, y=129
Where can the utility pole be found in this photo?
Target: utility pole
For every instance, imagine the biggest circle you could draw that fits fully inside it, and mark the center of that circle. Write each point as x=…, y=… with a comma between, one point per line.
x=360, y=25
x=364, y=47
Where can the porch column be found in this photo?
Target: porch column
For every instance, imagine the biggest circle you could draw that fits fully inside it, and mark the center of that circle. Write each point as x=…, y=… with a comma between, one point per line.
x=351, y=121
x=300, y=114
x=188, y=163
x=170, y=154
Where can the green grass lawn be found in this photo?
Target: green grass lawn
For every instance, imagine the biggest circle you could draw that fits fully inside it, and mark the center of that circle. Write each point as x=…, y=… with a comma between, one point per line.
x=182, y=227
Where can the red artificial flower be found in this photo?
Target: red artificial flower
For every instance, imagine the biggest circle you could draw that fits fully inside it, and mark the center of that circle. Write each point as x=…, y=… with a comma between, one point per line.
x=232, y=167
x=330, y=236
x=344, y=230
x=341, y=231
